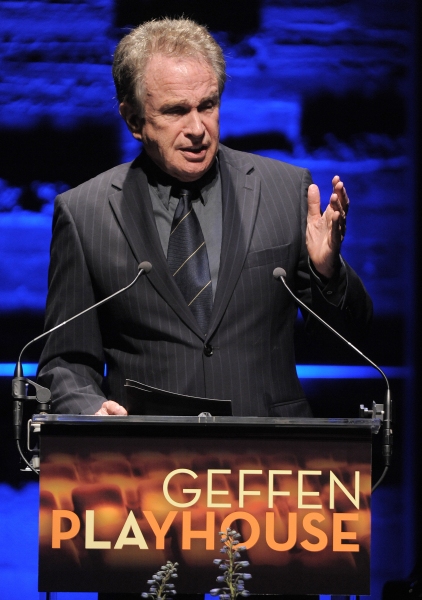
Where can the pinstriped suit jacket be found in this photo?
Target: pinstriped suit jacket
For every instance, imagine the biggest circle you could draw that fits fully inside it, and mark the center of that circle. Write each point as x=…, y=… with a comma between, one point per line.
x=105, y=227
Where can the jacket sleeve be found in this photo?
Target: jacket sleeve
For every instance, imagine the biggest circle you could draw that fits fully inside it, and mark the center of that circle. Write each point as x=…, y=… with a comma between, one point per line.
x=72, y=362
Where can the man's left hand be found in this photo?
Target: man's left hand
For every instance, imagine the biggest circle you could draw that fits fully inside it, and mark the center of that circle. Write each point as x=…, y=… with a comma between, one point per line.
x=325, y=232
x=109, y=407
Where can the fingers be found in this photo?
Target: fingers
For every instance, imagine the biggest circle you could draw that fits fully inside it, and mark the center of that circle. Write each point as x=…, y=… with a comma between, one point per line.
x=339, y=202
x=338, y=229
x=110, y=407
x=339, y=199
x=314, y=201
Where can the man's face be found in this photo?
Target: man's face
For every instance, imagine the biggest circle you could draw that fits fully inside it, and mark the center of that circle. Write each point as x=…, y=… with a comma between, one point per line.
x=180, y=128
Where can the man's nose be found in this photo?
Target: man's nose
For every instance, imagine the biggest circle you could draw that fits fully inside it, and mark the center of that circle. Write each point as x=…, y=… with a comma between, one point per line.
x=195, y=126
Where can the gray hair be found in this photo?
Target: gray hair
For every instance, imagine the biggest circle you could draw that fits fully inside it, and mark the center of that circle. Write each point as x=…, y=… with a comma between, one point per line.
x=170, y=37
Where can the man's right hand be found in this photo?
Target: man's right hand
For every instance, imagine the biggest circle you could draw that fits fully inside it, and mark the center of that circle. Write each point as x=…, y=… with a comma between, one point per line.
x=110, y=407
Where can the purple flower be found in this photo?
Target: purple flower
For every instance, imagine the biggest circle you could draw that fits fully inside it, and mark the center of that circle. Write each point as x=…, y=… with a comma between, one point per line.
x=233, y=579
x=243, y=563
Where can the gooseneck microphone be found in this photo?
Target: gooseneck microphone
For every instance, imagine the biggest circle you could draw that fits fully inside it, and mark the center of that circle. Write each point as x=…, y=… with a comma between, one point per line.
x=143, y=268
x=280, y=274
x=19, y=382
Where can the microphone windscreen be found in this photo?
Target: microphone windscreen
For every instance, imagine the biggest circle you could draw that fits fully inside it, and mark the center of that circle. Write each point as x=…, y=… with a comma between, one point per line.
x=146, y=266
x=279, y=272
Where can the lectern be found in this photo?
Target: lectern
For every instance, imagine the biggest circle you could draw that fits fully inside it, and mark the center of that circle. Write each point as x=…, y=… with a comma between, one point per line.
x=120, y=496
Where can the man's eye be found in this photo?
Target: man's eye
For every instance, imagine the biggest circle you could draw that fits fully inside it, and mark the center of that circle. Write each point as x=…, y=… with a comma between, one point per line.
x=206, y=106
x=176, y=110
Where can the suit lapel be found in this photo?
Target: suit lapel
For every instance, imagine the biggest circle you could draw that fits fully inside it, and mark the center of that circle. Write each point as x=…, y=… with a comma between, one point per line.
x=132, y=207
x=240, y=195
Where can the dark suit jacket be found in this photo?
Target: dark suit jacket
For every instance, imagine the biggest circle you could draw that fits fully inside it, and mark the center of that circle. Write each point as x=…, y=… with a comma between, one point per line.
x=105, y=227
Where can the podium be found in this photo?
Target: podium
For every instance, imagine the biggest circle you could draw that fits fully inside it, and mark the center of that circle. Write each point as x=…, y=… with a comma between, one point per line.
x=120, y=496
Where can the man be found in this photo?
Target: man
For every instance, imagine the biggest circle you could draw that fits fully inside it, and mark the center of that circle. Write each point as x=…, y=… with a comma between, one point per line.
x=254, y=214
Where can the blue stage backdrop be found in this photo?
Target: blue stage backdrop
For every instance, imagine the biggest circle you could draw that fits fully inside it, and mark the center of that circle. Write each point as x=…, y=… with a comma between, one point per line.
x=319, y=83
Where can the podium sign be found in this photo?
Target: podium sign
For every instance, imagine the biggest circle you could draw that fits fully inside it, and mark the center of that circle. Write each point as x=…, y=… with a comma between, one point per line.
x=120, y=496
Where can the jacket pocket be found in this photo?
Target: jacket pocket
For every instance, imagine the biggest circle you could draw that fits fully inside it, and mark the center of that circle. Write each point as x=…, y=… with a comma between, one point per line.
x=278, y=256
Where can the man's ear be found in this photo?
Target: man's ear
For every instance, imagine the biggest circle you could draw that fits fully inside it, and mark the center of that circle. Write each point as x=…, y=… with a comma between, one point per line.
x=132, y=119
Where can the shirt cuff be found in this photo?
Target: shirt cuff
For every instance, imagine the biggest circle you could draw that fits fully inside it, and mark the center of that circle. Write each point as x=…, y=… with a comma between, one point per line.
x=333, y=289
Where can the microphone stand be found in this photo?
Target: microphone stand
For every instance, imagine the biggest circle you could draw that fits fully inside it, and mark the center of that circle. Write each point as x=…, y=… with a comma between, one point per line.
x=20, y=383
x=383, y=411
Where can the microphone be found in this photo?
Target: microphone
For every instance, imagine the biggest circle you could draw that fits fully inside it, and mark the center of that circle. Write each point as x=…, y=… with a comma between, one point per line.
x=280, y=274
x=42, y=394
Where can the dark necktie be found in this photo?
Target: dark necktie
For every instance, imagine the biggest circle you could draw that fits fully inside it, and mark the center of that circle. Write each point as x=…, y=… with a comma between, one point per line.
x=187, y=259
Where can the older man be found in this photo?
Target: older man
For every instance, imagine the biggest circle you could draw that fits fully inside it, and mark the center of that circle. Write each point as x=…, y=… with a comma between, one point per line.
x=209, y=320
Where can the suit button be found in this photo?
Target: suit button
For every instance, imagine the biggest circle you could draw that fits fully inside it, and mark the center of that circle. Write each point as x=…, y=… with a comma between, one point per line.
x=208, y=350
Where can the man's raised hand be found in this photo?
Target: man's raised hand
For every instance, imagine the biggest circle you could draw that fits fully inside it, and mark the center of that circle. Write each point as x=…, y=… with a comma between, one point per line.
x=325, y=232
